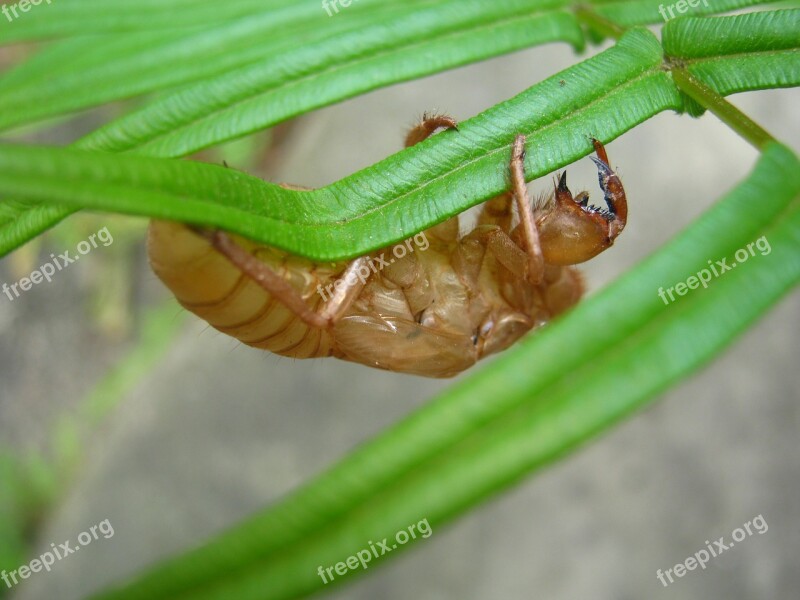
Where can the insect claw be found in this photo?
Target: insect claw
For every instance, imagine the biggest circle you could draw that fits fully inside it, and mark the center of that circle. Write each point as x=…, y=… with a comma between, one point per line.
x=562, y=191
x=613, y=192
x=603, y=168
x=604, y=174
x=562, y=183
x=600, y=150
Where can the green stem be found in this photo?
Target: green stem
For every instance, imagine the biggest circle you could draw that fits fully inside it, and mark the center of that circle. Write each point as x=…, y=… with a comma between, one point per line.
x=600, y=24
x=727, y=112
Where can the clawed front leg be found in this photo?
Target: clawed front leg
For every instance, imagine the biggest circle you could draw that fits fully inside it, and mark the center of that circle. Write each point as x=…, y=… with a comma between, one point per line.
x=571, y=230
x=613, y=192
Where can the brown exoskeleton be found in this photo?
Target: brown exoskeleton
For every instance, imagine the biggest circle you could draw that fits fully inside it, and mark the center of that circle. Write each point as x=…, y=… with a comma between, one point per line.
x=432, y=312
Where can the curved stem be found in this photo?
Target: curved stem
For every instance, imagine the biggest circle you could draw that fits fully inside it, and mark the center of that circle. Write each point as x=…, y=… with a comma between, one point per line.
x=727, y=112
x=599, y=23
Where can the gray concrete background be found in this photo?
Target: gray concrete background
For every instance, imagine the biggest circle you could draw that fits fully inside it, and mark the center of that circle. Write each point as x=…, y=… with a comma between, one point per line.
x=219, y=430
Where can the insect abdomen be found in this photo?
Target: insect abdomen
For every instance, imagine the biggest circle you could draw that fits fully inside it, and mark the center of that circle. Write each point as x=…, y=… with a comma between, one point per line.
x=207, y=284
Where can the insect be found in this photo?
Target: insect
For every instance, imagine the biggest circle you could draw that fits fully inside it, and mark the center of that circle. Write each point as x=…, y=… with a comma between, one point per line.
x=432, y=310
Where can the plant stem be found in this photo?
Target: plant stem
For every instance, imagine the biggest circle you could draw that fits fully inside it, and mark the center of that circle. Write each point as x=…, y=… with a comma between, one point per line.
x=690, y=85
x=599, y=23
x=727, y=112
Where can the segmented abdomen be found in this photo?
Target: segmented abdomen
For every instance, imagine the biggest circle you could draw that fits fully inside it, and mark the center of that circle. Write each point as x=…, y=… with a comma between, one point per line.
x=208, y=285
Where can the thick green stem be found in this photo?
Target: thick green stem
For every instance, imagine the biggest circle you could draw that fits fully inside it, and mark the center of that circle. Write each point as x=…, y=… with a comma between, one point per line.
x=727, y=112
x=689, y=84
x=600, y=24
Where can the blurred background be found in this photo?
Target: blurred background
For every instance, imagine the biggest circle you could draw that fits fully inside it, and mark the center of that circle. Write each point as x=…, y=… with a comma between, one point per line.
x=120, y=406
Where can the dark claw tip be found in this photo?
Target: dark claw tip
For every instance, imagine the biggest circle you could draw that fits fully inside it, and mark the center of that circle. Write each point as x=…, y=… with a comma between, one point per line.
x=562, y=182
x=601, y=166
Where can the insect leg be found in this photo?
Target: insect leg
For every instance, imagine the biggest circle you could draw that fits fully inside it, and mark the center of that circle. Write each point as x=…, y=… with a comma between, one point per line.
x=522, y=257
x=344, y=295
x=428, y=125
x=278, y=287
x=613, y=192
x=529, y=231
x=573, y=231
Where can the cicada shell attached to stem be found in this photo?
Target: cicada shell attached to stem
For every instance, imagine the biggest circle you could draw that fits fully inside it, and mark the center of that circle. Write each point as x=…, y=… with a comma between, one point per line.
x=432, y=305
